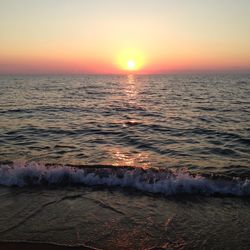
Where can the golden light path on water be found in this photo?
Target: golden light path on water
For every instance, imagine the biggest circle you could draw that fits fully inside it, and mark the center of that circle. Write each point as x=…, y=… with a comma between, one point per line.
x=126, y=156
x=120, y=156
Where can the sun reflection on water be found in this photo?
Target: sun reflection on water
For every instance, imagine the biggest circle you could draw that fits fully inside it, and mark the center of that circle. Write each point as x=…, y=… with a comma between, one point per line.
x=131, y=90
x=132, y=100
x=119, y=157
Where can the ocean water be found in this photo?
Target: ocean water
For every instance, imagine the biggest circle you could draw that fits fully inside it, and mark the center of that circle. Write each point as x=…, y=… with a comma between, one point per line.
x=126, y=161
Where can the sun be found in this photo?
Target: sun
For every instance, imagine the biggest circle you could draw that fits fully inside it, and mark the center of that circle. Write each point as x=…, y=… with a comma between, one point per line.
x=131, y=65
x=130, y=60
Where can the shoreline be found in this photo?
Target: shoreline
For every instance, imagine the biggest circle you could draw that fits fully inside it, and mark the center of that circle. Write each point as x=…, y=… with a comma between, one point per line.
x=40, y=246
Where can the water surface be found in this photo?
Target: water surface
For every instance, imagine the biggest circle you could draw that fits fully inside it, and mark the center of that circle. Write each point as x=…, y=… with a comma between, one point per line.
x=126, y=161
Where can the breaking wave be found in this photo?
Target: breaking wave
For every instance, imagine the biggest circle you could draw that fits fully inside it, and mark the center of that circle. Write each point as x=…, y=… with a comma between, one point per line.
x=148, y=180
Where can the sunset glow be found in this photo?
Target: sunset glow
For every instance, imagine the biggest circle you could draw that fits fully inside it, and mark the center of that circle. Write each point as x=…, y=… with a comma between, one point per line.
x=118, y=36
x=130, y=60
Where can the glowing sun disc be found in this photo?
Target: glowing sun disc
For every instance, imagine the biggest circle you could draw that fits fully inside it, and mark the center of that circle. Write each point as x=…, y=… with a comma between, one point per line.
x=131, y=65
x=130, y=60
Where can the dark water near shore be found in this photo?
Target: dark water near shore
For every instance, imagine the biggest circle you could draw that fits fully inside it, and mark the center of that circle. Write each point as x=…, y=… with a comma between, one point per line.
x=184, y=141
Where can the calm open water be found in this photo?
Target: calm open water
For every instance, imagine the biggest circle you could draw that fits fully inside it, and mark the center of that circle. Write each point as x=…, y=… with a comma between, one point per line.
x=126, y=161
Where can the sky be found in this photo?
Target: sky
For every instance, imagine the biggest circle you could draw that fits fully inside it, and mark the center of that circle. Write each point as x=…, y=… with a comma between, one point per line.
x=115, y=36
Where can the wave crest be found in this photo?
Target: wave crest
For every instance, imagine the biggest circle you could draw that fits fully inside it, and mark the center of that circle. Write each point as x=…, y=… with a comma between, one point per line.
x=147, y=180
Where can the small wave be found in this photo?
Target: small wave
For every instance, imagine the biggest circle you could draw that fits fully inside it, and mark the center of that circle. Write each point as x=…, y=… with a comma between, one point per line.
x=148, y=180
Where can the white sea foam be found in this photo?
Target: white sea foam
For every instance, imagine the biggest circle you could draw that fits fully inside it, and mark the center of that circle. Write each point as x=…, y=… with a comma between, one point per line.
x=150, y=180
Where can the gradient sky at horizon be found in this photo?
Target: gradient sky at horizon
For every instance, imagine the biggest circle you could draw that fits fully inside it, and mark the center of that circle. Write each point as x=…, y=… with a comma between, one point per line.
x=77, y=36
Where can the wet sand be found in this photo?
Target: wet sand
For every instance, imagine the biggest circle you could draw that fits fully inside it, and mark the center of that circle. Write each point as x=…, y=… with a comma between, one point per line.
x=40, y=246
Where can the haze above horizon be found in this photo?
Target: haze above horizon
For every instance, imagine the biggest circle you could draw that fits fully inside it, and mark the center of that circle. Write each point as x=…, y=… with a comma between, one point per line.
x=111, y=36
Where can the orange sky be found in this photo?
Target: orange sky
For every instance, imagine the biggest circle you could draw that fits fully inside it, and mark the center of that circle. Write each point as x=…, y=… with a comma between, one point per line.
x=98, y=36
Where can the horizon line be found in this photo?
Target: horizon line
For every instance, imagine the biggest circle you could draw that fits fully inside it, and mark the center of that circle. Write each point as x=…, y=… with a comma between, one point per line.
x=180, y=72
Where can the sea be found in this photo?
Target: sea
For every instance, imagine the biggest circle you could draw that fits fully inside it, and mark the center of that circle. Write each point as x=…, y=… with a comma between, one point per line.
x=125, y=161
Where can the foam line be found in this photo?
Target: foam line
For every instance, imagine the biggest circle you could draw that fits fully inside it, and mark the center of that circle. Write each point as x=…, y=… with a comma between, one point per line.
x=148, y=180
